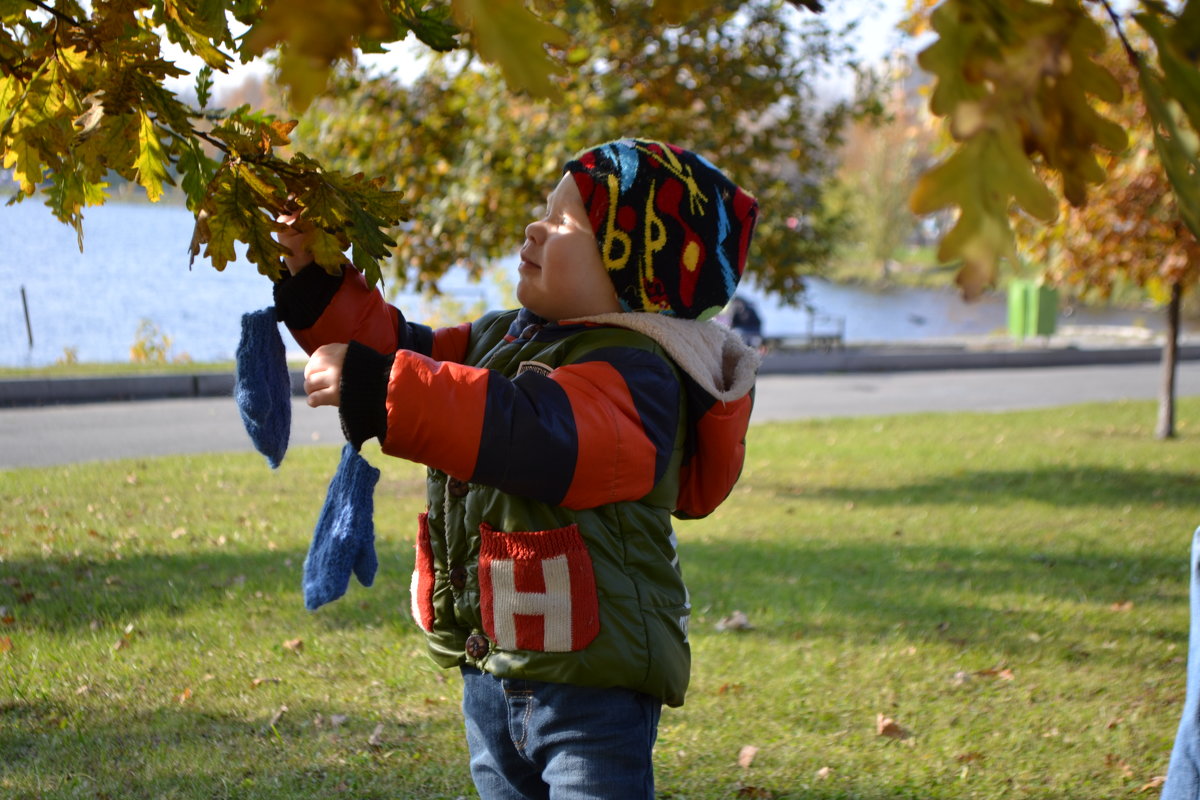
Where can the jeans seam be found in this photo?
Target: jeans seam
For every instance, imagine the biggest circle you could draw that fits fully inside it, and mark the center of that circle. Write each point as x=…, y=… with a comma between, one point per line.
x=525, y=694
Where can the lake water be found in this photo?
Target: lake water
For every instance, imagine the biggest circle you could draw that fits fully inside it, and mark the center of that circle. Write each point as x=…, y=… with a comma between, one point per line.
x=134, y=268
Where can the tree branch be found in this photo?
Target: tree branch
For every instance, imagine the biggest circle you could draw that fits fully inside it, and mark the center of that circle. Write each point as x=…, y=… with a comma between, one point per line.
x=54, y=12
x=1135, y=57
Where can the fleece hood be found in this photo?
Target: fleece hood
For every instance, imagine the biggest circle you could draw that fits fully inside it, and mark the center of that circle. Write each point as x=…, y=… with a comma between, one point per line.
x=713, y=356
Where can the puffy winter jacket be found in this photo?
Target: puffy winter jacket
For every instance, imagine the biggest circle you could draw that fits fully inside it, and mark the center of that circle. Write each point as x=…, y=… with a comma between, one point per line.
x=558, y=454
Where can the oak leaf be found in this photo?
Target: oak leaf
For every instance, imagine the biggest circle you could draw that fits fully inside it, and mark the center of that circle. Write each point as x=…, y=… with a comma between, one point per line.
x=509, y=35
x=887, y=727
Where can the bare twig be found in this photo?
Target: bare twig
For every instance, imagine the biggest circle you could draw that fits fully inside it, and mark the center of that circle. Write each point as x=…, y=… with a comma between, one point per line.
x=55, y=13
x=1135, y=57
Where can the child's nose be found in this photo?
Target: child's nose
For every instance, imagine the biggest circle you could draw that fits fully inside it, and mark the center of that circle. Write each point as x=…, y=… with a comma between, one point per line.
x=532, y=229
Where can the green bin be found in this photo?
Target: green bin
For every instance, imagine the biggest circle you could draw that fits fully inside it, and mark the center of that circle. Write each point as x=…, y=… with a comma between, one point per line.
x=1032, y=309
x=1042, y=319
x=1018, y=308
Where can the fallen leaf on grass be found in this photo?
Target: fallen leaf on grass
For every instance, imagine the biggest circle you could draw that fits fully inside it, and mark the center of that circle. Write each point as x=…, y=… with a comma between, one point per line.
x=972, y=757
x=737, y=621
x=1153, y=783
x=746, y=756
x=376, y=739
x=886, y=726
x=824, y=772
x=185, y=696
x=999, y=673
x=121, y=643
x=1125, y=606
x=1116, y=762
x=271, y=723
x=295, y=645
x=6, y=644
x=257, y=682
x=6, y=617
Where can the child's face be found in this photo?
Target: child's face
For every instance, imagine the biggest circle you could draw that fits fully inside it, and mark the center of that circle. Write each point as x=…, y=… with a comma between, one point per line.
x=561, y=274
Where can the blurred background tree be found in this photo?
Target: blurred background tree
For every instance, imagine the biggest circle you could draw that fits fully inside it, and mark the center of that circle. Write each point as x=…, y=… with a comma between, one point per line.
x=1017, y=84
x=878, y=164
x=1129, y=234
x=734, y=81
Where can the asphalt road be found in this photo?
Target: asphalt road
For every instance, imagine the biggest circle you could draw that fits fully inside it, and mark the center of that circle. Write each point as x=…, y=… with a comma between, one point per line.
x=73, y=433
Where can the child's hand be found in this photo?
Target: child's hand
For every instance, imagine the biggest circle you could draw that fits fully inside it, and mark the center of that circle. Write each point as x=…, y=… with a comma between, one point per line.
x=323, y=375
x=297, y=238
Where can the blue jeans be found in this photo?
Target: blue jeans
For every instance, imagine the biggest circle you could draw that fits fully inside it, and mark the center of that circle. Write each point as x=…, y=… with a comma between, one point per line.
x=1183, y=772
x=551, y=741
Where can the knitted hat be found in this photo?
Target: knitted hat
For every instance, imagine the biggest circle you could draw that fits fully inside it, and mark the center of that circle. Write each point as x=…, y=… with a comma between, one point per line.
x=673, y=230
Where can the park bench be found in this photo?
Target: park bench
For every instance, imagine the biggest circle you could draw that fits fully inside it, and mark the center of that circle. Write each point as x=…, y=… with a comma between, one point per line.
x=825, y=332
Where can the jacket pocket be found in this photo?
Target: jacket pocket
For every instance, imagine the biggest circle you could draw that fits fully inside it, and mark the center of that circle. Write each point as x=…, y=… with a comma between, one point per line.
x=537, y=589
x=422, y=577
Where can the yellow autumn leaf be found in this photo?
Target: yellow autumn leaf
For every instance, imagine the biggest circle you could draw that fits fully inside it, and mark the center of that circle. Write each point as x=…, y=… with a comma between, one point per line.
x=311, y=40
x=509, y=35
x=151, y=162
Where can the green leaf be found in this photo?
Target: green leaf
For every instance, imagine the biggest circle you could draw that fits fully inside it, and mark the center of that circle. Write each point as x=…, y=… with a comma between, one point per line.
x=262, y=248
x=268, y=191
x=197, y=170
x=365, y=263
x=204, y=85
x=198, y=27
x=327, y=250
x=1180, y=76
x=151, y=162
x=1181, y=163
x=432, y=26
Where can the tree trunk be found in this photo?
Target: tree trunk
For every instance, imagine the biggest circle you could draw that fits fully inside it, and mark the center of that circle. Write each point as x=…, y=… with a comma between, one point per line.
x=1170, y=358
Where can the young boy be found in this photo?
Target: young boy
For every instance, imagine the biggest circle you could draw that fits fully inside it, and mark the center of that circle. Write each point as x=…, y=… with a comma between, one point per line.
x=560, y=439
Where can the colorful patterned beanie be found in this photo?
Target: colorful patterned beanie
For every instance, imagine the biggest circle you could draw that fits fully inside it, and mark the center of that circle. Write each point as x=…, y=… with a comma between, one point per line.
x=673, y=231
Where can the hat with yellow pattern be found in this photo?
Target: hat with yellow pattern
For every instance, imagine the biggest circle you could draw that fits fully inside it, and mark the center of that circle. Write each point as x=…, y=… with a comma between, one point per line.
x=673, y=231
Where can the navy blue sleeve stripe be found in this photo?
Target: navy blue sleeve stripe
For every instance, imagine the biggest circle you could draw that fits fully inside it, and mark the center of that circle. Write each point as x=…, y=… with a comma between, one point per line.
x=414, y=337
x=654, y=387
x=529, y=445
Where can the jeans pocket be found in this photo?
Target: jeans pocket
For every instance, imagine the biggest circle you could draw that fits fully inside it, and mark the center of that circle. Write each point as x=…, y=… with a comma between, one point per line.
x=537, y=589
x=422, y=577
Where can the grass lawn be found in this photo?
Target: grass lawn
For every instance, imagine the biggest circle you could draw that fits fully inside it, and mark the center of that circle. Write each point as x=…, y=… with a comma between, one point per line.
x=941, y=606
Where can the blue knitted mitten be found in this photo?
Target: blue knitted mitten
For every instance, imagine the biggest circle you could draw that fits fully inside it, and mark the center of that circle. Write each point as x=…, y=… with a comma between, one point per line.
x=263, y=390
x=344, y=539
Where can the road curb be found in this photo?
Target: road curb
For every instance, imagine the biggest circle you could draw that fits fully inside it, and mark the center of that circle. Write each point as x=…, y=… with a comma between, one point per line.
x=21, y=392
x=914, y=360
x=25, y=392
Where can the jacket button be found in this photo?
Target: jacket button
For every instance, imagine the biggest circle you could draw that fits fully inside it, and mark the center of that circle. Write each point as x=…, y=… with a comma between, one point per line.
x=477, y=645
x=458, y=488
x=458, y=577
